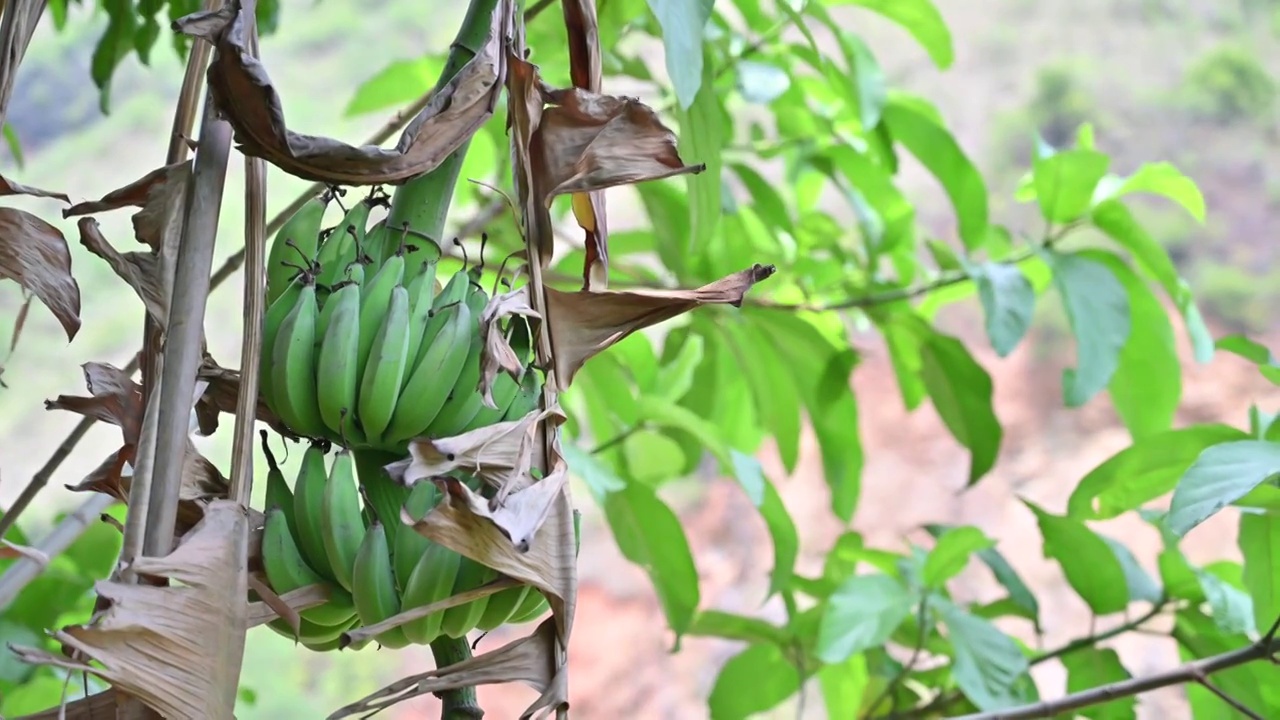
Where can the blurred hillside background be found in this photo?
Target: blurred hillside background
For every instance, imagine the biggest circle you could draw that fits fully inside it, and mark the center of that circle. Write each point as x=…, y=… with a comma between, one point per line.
x=1194, y=82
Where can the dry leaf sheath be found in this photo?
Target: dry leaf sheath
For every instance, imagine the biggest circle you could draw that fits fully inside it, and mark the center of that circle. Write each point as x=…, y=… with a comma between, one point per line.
x=34, y=254
x=248, y=100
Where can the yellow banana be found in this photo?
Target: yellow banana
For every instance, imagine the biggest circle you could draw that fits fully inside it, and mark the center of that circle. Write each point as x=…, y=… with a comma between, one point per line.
x=342, y=524
x=374, y=586
x=293, y=368
x=294, y=245
x=431, y=581
x=308, y=509
x=435, y=374
x=286, y=571
x=462, y=619
x=336, y=380
x=380, y=387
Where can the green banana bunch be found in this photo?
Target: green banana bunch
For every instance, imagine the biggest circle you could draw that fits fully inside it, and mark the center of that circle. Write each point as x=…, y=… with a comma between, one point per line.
x=375, y=593
x=342, y=247
x=294, y=246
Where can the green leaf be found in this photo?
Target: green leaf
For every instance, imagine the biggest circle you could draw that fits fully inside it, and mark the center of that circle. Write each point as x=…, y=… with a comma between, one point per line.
x=682, y=23
x=1254, y=685
x=1232, y=609
x=766, y=201
x=1098, y=310
x=96, y=550
x=952, y=553
x=844, y=686
x=1093, y=667
x=15, y=146
x=653, y=457
x=1065, y=181
x=716, y=623
x=987, y=662
x=753, y=681
x=1259, y=541
x=40, y=693
x=873, y=184
x=1115, y=219
x=1221, y=475
x=649, y=534
x=1008, y=300
x=902, y=333
x=112, y=47
x=1091, y=567
x=1159, y=178
x=702, y=139
x=396, y=84
x=939, y=152
x=1254, y=352
x=668, y=211
x=1019, y=593
x=861, y=614
x=1144, y=471
x=962, y=392
x=763, y=495
x=676, y=377
x=1140, y=585
x=599, y=478
x=773, y=389
x=760, y=82
x=12, y=669
x=918, y=17
x=1147, y=385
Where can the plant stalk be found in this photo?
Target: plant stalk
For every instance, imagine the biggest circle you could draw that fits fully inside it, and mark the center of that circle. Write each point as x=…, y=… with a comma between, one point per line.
x=460, y=704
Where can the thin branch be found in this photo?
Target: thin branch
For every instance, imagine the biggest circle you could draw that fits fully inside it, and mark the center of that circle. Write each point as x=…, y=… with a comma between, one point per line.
x=1222, y=694
x=24, y=569
x=1190, y=672
x=617, y=439
x=42, y=476
x=921, y=635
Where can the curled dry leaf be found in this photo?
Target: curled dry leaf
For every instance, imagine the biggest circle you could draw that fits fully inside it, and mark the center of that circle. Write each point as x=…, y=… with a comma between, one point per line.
x=20, y=20
x=549, y=564
x=220, y=396
x=498, y=454
x=34, y=254
x=246, y=97
x=141, y=270
x=92, y=707
x=116, y=399
x=585, y=323
x=136, y=193
x=9, y=187
x=177, y=648
x=519, y=514
x=585, y=70
x=497, y=354
x=527, y=660
x=261, y=612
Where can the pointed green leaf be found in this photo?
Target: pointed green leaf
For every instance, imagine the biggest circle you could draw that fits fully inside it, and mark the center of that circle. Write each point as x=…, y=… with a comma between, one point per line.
x=400, y=82
x=861, y=614
x=1159, y=178
x=682, y=23
x=951, y=553
x=938, y=151
x=753, y=681
x=1098, y=310
x=1091, y=567
x=716, y=623
x=1141, y=587
x=768, y=204
x=844, y=686
x=918, y=17
x=668, y=211
x=1259, y=541
x=600, y=479
x=874, y=184
x=773, y=389
x=761, y=82
x=1064, y=182
x=962, y=393
x=702, y=140
x=1221, y=475
x=786, y=542
x=987, y=662
x=675, y=378
x=1232, y=608
x=1144, y=471
x=1254, y=684
x=1008, y=300
x=1089, y=668
x=649, y=534
x=1147, y=385
x=1254, y=352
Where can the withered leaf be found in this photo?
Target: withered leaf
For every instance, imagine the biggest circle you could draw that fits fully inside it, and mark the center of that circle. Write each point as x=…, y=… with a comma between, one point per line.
x=9, y=187
x=248, y=100
x=262, y=612
x=519, y=514
x=20, y=20
x=141, y=270
x=134, y=194
x=116, y=399
x=491, y=453
x=585, y=323
x=525, y=101
x=98, y=706
x=177, y=648
x=528, y=660
x=585, y=70
x=34, y=254
x=158, y=225
x=497, y=354
x=549, y=564
x=221, y=395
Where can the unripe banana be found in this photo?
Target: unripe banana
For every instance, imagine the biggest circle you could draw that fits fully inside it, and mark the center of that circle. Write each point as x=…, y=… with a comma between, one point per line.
x=409, y=544
x=464, y=399
x=462, y=619
x=303, y=228
x=339, y=250
x=431, y=581
x=375, y=242
x=374, y=586
x=528, y=398
x=375, y=296
x=293, y=368
x=342, y=524
x=505, y=390
x=311, y=634
x=308, y=509
x=278, y=493
x=422, y=292
x=435, y=374
x=380, y=387
x=336, y=380
x=502, y=606
x=271, y=321
x=286, y=571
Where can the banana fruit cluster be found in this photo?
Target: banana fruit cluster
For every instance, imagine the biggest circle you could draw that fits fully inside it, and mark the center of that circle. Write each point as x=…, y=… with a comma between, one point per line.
x=319, y=532
x=364, y=348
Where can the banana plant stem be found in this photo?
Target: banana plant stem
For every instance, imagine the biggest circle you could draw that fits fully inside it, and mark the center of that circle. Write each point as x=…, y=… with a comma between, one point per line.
x=460, y=704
